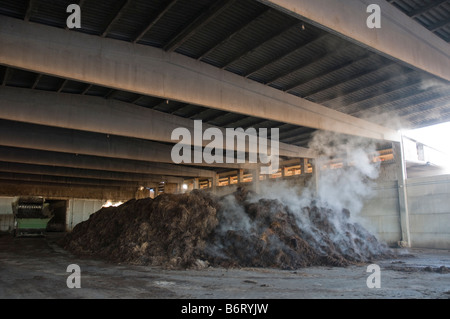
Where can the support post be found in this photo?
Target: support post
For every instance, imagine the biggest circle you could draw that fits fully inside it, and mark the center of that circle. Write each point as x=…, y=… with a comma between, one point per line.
x=316, y=174
x=214, y=182
x=196, y=183
x=284, y=171
x=399, y=156
x=255, y=180
x=240, y=176
x=303, y=166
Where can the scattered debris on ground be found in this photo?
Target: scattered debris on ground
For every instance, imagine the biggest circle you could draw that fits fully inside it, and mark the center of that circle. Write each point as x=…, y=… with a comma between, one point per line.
x=198, y=229
x=441, y=270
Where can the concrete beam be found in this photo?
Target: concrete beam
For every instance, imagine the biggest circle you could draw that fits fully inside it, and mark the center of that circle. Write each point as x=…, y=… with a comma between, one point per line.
x=45, y=138
x=84, y=173
x=61, y=191
x=20, y=155
x=400, y=37
x=93, y=114
x=151, y=71
x=14, y=177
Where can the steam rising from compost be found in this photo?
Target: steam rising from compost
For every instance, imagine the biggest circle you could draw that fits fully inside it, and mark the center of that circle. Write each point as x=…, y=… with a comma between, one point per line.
x=280, y=227
x=318, y=218
x=349, y=185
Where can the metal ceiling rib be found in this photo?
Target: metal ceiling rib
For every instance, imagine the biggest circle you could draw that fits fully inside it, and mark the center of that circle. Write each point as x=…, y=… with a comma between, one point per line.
x=432, y=14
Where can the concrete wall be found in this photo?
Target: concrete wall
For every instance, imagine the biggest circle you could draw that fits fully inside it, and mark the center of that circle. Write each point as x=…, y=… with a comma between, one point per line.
x=381, y=212
x=79, y=210
x=429, y=211
x=6, y=214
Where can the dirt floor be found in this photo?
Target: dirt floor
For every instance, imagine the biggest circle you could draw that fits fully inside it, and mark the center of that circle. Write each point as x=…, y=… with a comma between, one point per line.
x=36, y=268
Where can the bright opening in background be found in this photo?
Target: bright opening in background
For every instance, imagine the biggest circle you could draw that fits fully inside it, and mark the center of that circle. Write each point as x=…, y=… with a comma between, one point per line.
x=110, y=203
x=436, y=136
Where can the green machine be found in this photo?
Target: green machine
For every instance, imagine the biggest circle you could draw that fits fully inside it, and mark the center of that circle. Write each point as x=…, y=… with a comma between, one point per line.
x=31, y=216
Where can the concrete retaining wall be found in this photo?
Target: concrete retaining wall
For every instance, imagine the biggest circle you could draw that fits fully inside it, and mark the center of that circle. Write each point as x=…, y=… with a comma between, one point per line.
x=6, y=214
x=429, y=211
x=381, y=212
x=79, y=210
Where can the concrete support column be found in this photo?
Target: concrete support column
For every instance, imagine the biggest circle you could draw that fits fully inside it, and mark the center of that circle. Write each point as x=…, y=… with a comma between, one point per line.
x=284, y=171
x=196, y=183
x=303, y=166
x=240, y=176
x=142, y=193
x=402, y=193
x=155, y=187
x=171, y=188
x=213, y=182
x=305, y=163
x=255, y=180
x=316, y=174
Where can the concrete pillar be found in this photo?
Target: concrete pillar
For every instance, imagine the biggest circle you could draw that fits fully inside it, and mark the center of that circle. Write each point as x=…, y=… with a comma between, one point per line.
x=213, y=183
x=255, y=180
x=316, y=174
x=196, y=183
x=153, y=190
x=284, y=171
x=402, y=193
x=303, y=166
x=142, y=193
x=171, y=188
x=240, y=176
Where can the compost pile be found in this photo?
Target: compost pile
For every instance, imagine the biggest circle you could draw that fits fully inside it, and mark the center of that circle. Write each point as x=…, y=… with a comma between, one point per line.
x=196, y=229
x=168, y=231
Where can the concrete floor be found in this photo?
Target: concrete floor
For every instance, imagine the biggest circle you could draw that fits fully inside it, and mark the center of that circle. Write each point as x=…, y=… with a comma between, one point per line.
x=36, y=268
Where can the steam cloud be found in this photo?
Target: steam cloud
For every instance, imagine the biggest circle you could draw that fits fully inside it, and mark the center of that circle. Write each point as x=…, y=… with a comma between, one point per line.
x=348, y=186
x=325, y=217
x=345, y=187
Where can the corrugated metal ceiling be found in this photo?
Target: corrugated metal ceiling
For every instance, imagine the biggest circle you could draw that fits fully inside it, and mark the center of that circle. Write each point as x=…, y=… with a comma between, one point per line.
x=432, y=14
x=250, y=39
